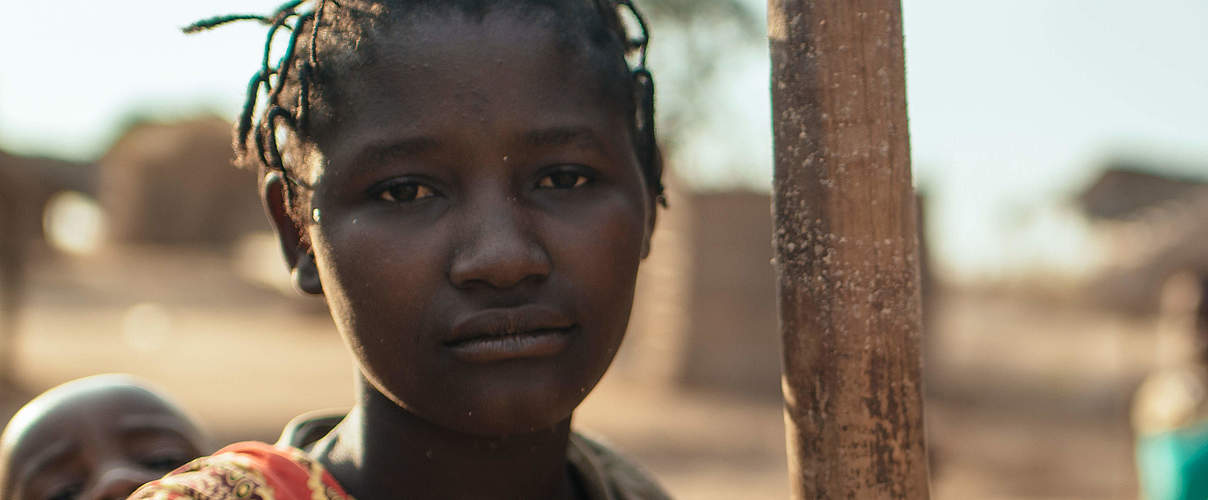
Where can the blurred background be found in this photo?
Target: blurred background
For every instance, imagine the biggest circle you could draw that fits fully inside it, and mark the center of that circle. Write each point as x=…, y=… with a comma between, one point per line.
x=1060, y=150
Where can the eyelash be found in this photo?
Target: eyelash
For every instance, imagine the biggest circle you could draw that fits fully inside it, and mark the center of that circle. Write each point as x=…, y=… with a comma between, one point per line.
x=582, y=178
x=415, y=191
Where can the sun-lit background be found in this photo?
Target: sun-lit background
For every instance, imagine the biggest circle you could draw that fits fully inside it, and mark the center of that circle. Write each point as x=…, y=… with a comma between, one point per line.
x=1061, y=147
x=1012, y=104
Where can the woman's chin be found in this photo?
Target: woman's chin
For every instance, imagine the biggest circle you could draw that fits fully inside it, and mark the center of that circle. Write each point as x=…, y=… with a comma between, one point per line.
x=506, y=399
x=510, y=418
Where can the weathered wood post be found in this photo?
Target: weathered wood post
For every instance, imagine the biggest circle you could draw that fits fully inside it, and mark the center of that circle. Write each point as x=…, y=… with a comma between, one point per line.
x=846, y=251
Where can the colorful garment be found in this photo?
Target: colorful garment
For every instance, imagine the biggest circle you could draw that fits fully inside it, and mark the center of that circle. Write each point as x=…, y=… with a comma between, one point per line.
x=1173, y=465
x=254, y=471
x=606, y=475
x=283, y=471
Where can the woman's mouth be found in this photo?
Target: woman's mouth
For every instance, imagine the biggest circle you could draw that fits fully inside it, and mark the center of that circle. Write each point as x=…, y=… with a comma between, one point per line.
x=534, y=344
x=504, y=334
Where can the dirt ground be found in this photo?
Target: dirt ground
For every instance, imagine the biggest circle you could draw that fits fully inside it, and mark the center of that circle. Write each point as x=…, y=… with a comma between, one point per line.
x=1027, y=400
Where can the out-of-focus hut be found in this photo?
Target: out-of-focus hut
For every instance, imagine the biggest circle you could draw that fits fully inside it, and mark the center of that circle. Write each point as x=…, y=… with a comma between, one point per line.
x=705, y=308
x=1152, y=226
x=26, y=186
x=27, y=183
x=174, y=183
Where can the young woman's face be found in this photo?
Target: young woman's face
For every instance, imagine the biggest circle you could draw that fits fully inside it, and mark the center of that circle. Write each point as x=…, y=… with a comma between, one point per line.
x=481, y=217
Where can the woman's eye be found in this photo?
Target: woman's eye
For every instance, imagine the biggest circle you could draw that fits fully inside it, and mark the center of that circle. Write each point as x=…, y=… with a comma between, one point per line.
x=562, y=180
x=402, y=192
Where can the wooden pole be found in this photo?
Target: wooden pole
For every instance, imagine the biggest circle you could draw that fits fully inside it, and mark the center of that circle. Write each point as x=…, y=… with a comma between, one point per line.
x=846, y=251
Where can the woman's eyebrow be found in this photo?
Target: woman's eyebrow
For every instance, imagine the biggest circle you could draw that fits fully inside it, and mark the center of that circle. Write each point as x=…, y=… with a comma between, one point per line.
x=383, y=151
x=583, y=137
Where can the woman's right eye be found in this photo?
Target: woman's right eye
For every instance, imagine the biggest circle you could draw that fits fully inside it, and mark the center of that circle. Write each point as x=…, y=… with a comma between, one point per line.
x=404, y=191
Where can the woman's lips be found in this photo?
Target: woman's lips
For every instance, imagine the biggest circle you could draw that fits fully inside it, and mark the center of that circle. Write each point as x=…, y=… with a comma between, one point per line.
x=514, y=333
x=535, y=344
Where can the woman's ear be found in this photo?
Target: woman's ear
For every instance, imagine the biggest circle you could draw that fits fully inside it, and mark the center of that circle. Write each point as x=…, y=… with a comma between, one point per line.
x=305, y=275
x=294, y=245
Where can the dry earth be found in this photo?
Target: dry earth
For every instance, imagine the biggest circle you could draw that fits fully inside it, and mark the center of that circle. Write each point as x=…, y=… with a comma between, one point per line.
x=1028, y=400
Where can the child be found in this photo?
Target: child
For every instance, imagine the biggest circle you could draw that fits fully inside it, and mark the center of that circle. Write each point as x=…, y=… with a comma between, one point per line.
x=93, y=438
x=471, y=184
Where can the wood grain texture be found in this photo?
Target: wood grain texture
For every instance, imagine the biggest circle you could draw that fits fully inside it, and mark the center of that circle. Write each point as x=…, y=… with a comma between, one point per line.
x=846, y=251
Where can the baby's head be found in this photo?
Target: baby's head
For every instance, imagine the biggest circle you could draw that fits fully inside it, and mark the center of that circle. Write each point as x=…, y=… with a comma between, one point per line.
x=93, y=438
x=472, y=185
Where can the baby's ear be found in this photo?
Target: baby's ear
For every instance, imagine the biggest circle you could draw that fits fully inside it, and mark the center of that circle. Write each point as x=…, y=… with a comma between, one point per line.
x=295, y=246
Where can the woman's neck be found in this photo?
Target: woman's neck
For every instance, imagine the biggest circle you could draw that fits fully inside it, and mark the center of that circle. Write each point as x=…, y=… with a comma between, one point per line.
x=381, y=451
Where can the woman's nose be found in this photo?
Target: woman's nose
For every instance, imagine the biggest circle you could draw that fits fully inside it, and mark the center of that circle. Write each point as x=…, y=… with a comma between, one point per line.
x=499, y=249
x=116, y=482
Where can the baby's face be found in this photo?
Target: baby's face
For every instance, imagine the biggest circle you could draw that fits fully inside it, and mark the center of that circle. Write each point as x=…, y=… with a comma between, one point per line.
x=99, y=445
x=481, y=217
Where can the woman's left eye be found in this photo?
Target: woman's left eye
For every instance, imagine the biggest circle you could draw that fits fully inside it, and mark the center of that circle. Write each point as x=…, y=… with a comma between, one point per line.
x=562, y=180
x=402, y=192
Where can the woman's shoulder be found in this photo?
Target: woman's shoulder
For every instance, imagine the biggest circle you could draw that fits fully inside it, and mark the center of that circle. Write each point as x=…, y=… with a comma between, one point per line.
x=606, y=474
x=287, y=473
x=247, y=470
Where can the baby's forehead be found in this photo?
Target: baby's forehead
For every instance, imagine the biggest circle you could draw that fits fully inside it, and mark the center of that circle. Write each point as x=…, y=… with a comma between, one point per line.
x=77, y=419
x=114, y=409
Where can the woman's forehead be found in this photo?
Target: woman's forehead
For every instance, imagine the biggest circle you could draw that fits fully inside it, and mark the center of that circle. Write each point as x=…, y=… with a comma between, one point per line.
x=451, y=48
x=464, y=73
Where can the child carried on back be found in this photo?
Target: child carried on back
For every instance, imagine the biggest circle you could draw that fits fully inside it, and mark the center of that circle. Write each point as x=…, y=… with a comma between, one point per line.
x=98, y=437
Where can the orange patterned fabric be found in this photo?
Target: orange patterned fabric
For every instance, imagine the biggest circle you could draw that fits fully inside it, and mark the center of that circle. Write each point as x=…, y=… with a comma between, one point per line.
x=258, y=471
x=254, y=471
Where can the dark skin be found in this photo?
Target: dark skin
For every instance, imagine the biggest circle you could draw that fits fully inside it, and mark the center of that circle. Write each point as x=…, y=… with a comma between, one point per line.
x=93, y=439
x=480, y=215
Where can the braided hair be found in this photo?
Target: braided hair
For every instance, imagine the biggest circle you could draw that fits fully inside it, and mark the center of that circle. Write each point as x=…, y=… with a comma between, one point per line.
x=288, y=92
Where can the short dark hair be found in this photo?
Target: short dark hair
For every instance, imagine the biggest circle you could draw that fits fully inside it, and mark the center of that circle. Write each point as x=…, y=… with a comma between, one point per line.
x=293, y=86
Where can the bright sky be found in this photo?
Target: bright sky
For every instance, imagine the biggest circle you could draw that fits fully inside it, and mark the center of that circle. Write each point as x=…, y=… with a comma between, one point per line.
x=1012, y=104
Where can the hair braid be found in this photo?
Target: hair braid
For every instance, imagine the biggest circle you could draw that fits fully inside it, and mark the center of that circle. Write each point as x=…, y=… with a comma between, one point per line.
x=649, y=155
x=643, y=81
x=214, y=22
